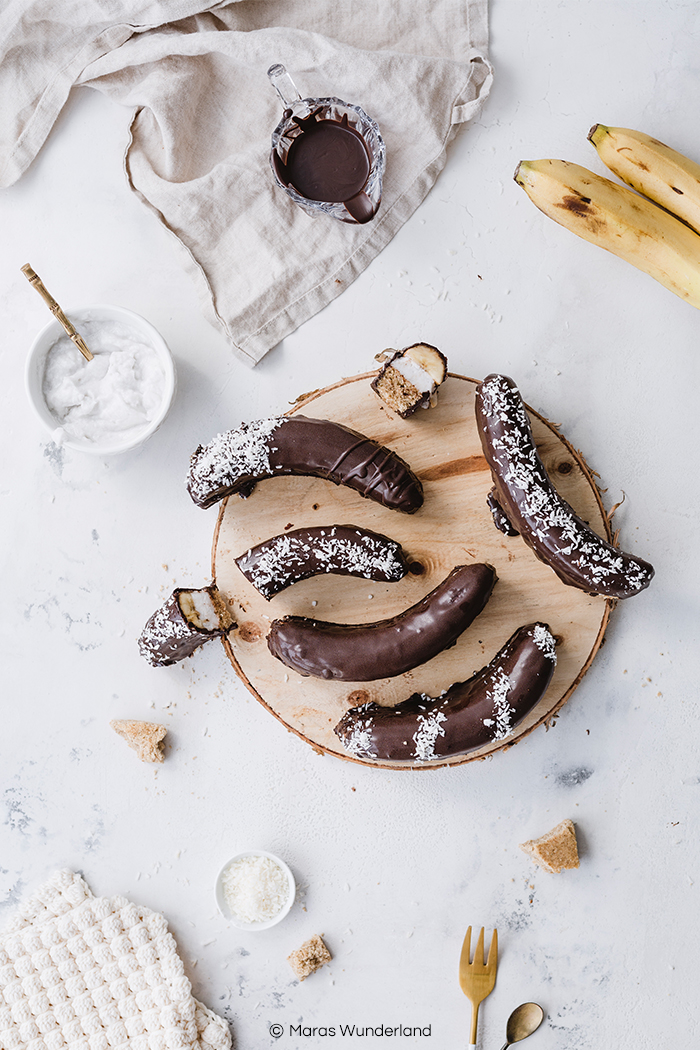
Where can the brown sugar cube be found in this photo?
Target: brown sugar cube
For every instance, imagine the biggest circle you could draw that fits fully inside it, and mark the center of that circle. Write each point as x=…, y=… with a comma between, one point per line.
x=556, y=850
x=311, y=956
x=146, y=738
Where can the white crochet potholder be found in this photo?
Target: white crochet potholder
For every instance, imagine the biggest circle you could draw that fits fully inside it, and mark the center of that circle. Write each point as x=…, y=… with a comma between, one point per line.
x=97, y=973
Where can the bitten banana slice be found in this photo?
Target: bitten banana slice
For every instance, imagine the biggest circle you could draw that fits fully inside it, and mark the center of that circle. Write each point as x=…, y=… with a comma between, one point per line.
x=410, y=378
x=617, y=219
x=652, y=168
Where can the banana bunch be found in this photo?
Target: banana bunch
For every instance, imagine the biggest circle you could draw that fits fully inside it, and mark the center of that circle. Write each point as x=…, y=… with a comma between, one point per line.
x=657, y=232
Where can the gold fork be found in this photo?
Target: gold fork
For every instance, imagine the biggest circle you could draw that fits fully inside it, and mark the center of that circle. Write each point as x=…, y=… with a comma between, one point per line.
x=477, y=978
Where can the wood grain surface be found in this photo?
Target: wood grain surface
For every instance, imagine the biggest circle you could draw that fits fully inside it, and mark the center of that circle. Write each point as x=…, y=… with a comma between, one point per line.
x=453, y=527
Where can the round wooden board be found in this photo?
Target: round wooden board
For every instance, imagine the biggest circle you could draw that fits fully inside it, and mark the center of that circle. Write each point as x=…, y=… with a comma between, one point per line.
x=453, y=527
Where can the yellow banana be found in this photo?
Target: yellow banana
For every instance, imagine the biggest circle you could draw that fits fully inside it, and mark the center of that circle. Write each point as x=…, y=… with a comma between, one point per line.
x=618, y=220
x=652, y=168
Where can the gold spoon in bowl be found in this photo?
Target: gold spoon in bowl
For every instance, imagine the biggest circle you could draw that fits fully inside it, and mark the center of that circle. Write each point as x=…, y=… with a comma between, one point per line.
x=524, y=1020
x=36, y=282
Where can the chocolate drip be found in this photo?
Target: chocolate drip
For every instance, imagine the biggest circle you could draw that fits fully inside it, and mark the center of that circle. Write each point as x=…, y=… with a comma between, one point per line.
x=533, y=507
x=299, y=445
x=386, y=648
x=343, y=550
x=500, y=518
x=485, y=708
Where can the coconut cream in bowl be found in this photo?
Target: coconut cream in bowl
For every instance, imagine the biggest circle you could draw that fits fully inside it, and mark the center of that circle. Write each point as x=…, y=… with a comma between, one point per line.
x=255, y=890
x=112, y=403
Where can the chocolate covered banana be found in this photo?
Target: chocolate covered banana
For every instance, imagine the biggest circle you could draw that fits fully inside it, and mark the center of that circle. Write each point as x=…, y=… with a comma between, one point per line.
x=342, y=550
x=527, y=500
x=484, y=709
x=386, y=648
x=186, y=620
x=298, y=445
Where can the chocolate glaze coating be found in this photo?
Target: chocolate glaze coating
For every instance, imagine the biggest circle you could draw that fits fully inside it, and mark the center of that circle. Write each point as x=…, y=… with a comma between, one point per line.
x=342, y=550
x=299, y=445
x=386, y=648
x=468, y=715
x=169, y=636
x=500, y=518
x=527, y=499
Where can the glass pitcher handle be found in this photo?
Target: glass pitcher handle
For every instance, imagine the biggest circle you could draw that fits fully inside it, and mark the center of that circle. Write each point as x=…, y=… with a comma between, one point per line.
x=283, y=85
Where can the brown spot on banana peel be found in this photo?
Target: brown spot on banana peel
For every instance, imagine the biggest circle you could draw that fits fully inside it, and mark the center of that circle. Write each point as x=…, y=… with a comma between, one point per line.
x=386, y=648
x=584, y=209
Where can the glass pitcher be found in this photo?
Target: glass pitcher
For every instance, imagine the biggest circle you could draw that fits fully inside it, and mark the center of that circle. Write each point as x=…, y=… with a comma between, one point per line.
x=328, y=155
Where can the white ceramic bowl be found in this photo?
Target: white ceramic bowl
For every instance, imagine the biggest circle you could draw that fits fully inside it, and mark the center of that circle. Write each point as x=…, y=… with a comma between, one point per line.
x=266, y=923
x=36, y=361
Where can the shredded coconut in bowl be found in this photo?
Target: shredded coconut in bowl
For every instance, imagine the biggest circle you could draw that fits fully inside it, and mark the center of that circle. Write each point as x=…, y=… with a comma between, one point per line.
x=255, y=889
x=110, y=399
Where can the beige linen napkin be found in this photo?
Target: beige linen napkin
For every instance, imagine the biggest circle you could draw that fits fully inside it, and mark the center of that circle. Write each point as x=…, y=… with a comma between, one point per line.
x=194, y=77
x=97, y=973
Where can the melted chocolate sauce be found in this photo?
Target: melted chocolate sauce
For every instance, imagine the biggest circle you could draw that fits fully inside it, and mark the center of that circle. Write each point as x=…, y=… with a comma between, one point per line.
x=328, y=161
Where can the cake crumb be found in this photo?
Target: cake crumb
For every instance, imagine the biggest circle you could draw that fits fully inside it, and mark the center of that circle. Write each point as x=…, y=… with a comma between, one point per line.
x=146, y=738
x=556, y=850
x=311, y=956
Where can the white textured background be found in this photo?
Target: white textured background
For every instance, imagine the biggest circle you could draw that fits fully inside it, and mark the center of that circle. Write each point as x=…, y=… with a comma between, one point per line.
x=392, y=867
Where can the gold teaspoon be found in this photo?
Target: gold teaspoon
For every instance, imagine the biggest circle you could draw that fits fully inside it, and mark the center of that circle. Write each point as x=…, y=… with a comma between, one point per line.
x=56, y=310
x=524, y=1020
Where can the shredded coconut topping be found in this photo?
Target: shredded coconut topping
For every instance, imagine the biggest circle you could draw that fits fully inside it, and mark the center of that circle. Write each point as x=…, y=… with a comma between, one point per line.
x=551, y=520
x=275, y=564
x=429, y=729
x=244, y=452
x=544, y=640
x=359, y=741
x=163, y=631
x=502, y=721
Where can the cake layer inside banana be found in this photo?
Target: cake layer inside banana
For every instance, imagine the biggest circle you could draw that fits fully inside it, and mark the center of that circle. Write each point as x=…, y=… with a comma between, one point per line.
x=298, y=445
x=370, y=651
x=529, y=502
x=483, y=710
x=342, y=550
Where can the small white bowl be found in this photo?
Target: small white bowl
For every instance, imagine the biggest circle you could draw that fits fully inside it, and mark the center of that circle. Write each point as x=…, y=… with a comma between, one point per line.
x=36, y=361
x=266, y=923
